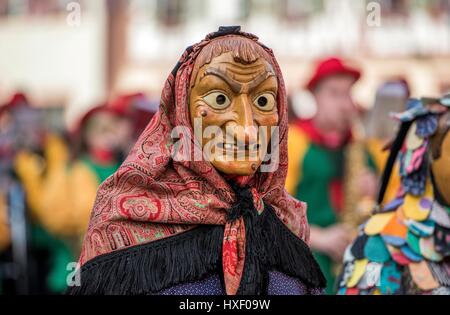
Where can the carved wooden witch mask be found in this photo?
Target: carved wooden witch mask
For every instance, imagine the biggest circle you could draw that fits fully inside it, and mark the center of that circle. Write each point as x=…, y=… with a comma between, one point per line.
x=233, y=104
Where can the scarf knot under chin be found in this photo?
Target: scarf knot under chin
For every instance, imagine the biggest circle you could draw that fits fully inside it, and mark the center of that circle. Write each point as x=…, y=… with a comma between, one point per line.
x=244, y=204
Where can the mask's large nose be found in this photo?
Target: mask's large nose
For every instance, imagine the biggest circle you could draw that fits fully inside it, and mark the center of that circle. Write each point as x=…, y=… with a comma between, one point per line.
x=246, y=131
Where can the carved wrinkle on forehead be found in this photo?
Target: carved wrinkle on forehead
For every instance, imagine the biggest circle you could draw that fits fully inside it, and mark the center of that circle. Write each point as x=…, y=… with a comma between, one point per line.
x=240, y=50
x=236, y=86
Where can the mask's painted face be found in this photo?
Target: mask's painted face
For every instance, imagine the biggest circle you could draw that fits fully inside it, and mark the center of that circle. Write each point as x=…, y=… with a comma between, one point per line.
x=238, y=98
x=440, y=146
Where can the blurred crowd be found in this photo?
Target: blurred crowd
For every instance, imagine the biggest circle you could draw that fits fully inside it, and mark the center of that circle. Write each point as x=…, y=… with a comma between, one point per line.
x=48, y=183
x=49, y=175
x=337, y=155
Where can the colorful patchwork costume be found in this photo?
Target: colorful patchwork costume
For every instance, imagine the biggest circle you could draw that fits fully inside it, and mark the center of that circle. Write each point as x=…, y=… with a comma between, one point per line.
x=404, y=247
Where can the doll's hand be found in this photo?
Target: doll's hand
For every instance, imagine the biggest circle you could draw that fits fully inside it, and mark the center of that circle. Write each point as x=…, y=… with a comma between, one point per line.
x=331, y=241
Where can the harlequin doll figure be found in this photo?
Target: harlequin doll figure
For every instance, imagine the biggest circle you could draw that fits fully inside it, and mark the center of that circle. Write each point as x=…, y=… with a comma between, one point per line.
x=404, y=248
x=169, y=225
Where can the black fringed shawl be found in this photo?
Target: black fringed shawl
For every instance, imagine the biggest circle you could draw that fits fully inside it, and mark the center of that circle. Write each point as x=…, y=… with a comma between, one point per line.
x=192, y=255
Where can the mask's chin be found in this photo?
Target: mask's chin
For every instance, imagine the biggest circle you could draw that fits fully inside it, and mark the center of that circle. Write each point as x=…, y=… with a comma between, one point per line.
x=239, y=168
x=229, y=160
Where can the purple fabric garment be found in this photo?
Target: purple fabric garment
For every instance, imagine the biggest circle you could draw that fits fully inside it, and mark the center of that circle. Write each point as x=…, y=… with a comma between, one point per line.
x=279, y=284
x=207, y=286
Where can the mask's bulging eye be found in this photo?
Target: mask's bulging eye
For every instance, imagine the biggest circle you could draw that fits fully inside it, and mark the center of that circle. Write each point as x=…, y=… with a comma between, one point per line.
x=217, y=100
x=265, y=102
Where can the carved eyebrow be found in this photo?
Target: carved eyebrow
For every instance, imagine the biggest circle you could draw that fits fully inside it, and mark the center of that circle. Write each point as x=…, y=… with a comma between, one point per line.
x=238, y=87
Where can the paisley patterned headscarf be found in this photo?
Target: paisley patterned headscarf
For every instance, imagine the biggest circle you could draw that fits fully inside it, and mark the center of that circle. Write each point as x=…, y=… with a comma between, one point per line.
x=152, y=197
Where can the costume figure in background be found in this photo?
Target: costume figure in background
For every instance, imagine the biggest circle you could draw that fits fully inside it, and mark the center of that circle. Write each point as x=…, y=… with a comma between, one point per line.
x=63, y=191
x=5, y=236
x=5, y=156
x=317, y=161
x=391, y=97
x=173, y=222
x=404, y=248
x=31, y=253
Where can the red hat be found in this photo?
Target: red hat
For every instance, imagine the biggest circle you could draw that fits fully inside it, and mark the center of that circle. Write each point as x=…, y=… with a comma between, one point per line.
x=17, y=99
x=138, y=108
x=329, y=67
x=125, y=103
x=81, y=123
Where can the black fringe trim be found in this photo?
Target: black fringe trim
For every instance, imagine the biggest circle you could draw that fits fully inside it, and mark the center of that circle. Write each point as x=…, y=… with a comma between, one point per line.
x=192, y=255
x=152, y=267
x=271, y=246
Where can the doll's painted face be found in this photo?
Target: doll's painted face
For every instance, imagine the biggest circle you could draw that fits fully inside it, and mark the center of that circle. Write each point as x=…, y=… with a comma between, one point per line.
x=230, y=101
